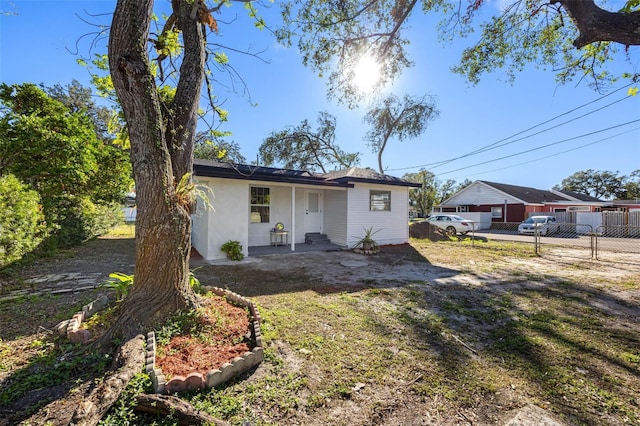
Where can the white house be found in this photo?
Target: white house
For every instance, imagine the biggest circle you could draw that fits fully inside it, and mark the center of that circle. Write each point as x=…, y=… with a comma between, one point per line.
x=248, y=202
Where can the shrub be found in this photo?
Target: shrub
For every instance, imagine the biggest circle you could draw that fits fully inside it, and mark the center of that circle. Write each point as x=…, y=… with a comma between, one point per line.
x=78, y=219
x=233, y=249
x=22, y=224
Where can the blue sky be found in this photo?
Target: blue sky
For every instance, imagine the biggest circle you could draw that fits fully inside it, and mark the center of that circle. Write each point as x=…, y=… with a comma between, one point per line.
x=36, y=46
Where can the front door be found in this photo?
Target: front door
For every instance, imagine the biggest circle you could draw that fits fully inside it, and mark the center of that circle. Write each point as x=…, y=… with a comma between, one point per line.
x=313, y=212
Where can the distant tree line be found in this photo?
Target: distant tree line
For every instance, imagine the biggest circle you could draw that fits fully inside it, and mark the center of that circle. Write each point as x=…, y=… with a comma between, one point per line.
x=603, y=184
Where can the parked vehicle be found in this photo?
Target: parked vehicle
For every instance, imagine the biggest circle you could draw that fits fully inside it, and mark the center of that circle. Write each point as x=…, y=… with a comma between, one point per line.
x=544, y=225
x=451, y=223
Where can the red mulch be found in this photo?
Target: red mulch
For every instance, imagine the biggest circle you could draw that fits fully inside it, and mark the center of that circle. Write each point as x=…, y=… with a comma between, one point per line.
x=225, y=325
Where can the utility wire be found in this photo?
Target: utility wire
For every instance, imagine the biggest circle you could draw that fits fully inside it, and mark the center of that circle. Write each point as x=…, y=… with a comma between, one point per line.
x=488, y=147
x=494, y=146
x=550, y=156
x=542, y=146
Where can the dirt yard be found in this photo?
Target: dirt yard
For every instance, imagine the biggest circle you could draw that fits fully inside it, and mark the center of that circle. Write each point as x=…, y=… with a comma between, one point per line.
x=428, y=333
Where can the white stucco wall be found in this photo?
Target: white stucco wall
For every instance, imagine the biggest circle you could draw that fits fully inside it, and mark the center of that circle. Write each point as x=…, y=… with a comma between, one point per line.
x=228, y=220
x=300, y=206
x=392, y=226
x=280, y=211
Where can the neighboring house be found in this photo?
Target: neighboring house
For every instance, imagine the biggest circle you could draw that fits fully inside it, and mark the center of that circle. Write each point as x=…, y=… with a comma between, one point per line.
x=511, y=203
x=129, y=210
x=624, y=205
x=248, y=202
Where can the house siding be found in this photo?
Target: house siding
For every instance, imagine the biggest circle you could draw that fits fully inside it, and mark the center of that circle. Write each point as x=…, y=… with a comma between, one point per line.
x=480, y=194
x=300, y=209
x=515, y=212
x=279, y=211
x=335, y=216
x=391, y=227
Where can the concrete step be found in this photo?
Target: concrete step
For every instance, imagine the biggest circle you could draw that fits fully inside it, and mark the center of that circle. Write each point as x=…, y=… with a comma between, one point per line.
x=316, y=238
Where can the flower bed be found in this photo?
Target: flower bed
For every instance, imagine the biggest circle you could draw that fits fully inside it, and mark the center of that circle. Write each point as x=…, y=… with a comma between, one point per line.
x=226, y=361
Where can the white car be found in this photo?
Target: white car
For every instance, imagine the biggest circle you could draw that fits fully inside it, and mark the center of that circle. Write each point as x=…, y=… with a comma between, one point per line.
x=544, y=225
x=451, y=223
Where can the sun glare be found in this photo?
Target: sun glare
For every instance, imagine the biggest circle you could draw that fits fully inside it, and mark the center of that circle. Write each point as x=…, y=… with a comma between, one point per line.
x=366, y=74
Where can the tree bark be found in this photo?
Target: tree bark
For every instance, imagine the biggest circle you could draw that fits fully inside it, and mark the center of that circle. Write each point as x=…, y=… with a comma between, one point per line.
x=85, y=406
x=182, y=410
x=129, y=362
x=161, y=154
x=596, y=24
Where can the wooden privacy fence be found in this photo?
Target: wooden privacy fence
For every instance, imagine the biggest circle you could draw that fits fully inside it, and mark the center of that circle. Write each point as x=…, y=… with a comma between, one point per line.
x=614, y=224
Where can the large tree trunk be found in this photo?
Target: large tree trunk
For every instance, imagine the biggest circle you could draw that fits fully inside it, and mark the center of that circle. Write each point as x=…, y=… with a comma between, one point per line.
x=161, y=154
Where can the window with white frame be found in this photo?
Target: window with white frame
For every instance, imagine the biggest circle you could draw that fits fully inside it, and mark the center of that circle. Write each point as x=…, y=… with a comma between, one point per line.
x=379, y=200
x=496, y=211
x=260, y=204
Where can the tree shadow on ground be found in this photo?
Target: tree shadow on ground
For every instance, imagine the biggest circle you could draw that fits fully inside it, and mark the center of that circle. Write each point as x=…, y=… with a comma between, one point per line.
x=569, y=346
x=504, y=340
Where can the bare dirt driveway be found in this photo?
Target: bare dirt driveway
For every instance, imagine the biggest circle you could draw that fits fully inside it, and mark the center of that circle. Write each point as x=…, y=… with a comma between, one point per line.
x=427, y=333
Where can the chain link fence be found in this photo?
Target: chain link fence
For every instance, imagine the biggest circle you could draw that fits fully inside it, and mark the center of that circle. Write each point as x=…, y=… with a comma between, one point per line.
x=604, y=242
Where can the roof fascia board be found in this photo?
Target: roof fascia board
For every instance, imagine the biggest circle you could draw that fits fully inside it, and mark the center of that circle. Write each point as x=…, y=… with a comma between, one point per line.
x=350, y=180
x=298, y=185
x=577, y=203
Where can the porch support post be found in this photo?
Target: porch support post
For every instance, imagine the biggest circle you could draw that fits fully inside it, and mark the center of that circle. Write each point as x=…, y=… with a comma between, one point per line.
x=293, y=218
x=505, y=211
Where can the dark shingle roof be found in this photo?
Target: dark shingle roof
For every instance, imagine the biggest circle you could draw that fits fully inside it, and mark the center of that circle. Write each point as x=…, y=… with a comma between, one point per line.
x=340, y=178
x=526, y=194
x=581, y=197
x=356, y=174
x=210, y=168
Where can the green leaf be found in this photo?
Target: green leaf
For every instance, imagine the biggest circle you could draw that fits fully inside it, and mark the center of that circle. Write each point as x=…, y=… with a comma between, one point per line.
x=221, y=58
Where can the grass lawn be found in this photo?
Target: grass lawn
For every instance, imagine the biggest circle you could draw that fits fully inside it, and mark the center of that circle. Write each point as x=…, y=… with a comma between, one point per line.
x=473, y=336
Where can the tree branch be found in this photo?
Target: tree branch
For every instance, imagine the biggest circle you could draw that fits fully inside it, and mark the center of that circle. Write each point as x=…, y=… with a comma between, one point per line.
x=596, y=24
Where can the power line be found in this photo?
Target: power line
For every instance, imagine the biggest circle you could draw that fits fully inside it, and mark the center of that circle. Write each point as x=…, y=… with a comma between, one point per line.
x=542, y=146
x=550, y=156
x=500, y=143
x=494, y=146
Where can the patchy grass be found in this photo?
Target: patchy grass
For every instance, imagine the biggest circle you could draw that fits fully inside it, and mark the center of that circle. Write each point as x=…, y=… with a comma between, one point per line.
x=126, y=230
x=490, y=328
x=514, y=336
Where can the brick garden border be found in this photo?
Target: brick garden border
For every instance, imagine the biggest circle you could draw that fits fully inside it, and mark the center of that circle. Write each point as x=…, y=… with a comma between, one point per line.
x=71, y=329
x=214, y=378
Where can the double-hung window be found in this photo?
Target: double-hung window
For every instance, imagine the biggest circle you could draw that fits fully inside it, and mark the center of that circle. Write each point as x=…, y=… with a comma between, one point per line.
x=260, y=204
x=379, y=200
